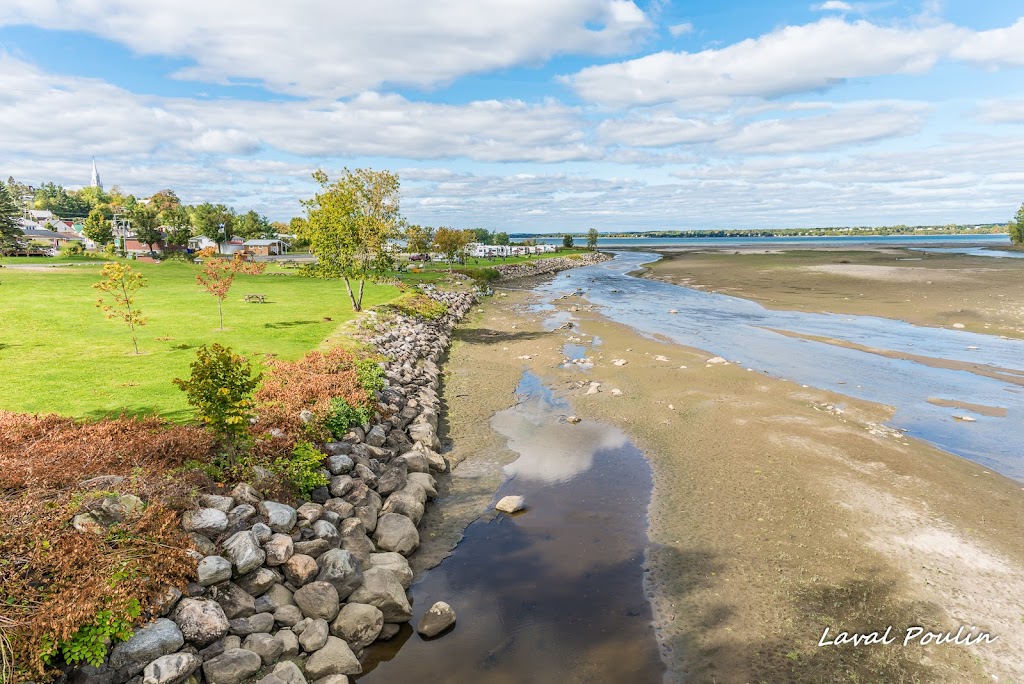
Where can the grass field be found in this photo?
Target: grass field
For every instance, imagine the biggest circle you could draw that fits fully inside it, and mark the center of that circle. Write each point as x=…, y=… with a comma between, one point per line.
x=60, y=354
x=431, y=271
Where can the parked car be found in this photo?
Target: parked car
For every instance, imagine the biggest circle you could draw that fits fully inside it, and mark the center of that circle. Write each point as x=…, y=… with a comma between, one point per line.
x=419, y=257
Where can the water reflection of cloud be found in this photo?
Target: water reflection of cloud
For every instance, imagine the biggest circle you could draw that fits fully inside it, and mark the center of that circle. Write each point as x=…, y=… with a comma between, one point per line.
x=551, y=451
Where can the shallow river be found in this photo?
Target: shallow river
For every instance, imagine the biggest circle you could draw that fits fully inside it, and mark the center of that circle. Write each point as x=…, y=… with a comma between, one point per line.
x=745, y=332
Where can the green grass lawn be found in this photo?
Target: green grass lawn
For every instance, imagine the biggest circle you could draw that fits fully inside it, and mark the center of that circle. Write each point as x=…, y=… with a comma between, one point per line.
x=60, y=354
x=432, y=271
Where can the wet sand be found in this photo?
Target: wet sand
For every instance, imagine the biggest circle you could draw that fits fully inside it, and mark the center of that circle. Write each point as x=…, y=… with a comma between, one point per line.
x=777, y=510
x=924, y=288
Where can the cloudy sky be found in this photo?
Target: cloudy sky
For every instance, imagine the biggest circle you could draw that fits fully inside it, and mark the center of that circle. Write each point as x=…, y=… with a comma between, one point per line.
x=532, y=115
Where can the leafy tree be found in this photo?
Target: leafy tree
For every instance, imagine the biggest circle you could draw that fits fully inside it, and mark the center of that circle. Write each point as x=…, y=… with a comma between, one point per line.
x=219, y=388
x=215, y=221
x=297, y=225
x=164, y=200
x=146, y=224
x=252, y=226
x=1016, y=227
x=10, y=229
x=93, y=196
x=178, y=220
x=97, y=228
x=349, y=225
x=121, y=283
x=501, y=238
x=567, y=241
x=483, y=236
x=218, y=275
x=592, y=236
x=419, y=238
x=451, y=243
x=55, y=198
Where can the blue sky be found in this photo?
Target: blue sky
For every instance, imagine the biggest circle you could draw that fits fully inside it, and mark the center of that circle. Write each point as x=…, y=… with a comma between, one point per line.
x=533, y=115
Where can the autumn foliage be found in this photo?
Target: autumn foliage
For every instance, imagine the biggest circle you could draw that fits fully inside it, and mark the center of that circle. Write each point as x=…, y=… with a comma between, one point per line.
x=218, y=275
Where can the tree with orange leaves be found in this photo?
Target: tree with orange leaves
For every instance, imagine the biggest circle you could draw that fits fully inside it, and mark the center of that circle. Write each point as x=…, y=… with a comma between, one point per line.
x=219, y=274
x=121, y=284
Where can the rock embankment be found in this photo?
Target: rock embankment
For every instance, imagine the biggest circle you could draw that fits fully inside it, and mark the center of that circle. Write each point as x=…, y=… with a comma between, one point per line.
x=289, y=595
x=552, y=265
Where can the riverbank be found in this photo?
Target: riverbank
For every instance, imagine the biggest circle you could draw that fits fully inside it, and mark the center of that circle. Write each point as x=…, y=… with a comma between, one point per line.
x=777, y=510
x=924, y=288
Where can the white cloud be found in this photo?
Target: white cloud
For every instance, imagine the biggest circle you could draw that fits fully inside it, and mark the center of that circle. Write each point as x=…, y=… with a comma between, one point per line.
x=1002, y=111
x=795, y=59
x=661, y=130
x=833, y=6
x=332, y=49
x=680, y=29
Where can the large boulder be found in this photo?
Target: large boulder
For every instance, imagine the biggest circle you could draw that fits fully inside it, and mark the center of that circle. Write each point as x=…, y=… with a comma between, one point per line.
x=171, y=669
x=354, y=540
x=335, y=658
x=341, y=569
x=318, y=600
x=257, y=624
x=406, y=503
x=285, y=672
x=439, y=618
x=275, y=597
x=281, y=517
x=201, y=621
x=213, y=569
x=269, y=648
x=148, y=643
x=206, y=521
x=300, y=569
x=244, y=552
x=396, y=563
x=235, y=601
x=232, y=667
x=359, y=624
x=382, y=589
x=279, y=548
x=259, y=581
x=396, y=533
x=314, y=636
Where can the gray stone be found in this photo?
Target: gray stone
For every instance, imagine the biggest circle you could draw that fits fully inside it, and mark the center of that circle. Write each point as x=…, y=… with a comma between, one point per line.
x=511, y=504
x=247, y=494
x=415, y=461
x=201, y=621
x=389, y=631
x=235, y=601
x=289, y=673
x=166, y=600
x=368, y=477
x=146, y=644
x=310, y=511
x=334, y=658
x=314, y=636
x=290, y=640
x=205, y=521
x=279, y=548
x=203, y=544
x=340, y=464
x=240, y=515
x=287, y=616
x=263, y=532
x=232, y=641
x=221, y=503
x=260, y=623
x=257, y=582
x=404, y=503
x=300, y=569
x=275, y=597
x=392, y=479
x=376, y=436
x=300, y=625
x=439, y=618
x=359, y=495
x=232, y=667
x=213, y=569
x=318, y=600
x=342, y=508
x=354, y=539
x=368, y=516
x=341, y=569
x=424, y=481
x=333, y=679
x=171, y=669
x=359, y=624
x=340, y=485
x=314, y=548
x=382, y=589
x=266, y=646
x=244, y=552
x=326, y=531
x=396, y=563
x=280, y=517
x=396, y=533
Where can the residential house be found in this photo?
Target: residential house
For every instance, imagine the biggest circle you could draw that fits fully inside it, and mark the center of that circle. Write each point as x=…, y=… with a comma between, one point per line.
x=265, y=247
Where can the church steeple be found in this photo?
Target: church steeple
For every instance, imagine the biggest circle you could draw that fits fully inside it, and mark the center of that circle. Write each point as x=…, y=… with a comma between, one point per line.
x=96, y=183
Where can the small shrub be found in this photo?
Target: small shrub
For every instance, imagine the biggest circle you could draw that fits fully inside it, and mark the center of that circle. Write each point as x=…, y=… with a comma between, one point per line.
x=72, y=249
x=219, y=388
x=370, y=374
x=418, y=305
x=303, y=468
x=89, y=644
x=344, y=415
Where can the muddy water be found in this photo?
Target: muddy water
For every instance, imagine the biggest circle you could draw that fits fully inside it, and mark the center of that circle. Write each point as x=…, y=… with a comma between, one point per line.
x=770, y=341
x=551, y=594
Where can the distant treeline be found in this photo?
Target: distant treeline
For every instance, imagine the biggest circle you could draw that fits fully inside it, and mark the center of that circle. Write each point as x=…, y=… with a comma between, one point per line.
x=950, y=229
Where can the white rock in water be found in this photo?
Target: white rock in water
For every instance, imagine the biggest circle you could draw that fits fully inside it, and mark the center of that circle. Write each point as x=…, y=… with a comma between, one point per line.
x=672, y=311
x=619, y=362
x=659, y=357
x=717, y=359
x=959, y=326
x=511, y=504
x=595, y=387
x=616, y=393
x=525, y=357
x=966, y=419
x=574, y=419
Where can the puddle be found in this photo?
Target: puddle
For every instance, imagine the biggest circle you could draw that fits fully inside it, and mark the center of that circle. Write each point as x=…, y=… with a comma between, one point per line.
x=552, y=594
x=894, y=372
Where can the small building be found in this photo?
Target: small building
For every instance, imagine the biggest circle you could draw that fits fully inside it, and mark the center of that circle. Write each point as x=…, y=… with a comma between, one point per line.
x=41, y=215
x=265, y=247
x=49, y=238
x=235, y=244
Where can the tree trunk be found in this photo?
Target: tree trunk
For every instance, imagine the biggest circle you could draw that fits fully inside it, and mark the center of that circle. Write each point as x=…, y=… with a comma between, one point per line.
x=351, y=296
x=359, y=304
x=220, y=310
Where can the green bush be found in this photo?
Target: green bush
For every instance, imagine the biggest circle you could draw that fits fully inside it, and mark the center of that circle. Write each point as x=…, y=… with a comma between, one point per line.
x=343, y=416
x=89, y=644
x=219, y=389
x=72, y=249
x=303, y=468
x=419, y=306
x=371, y=375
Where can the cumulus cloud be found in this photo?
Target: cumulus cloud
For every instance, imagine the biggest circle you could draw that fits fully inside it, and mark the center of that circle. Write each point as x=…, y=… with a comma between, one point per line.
x=341, y=48
x=680, y=29
x=795, y=59
x=833, y=6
